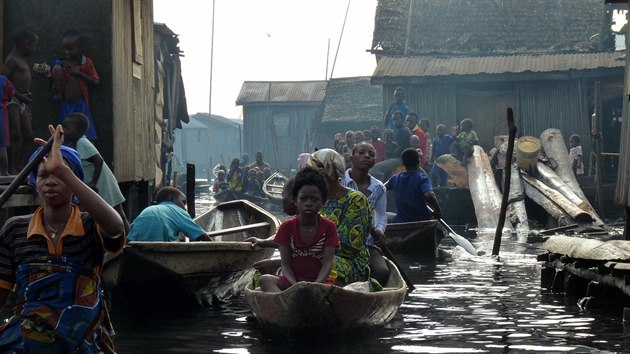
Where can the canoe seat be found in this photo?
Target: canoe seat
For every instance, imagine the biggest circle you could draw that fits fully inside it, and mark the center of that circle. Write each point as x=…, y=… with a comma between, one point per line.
x=236, y=229
x=275, y=185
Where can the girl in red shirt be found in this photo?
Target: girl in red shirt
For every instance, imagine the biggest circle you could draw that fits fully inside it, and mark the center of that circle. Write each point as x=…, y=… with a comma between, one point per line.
x=307, y=242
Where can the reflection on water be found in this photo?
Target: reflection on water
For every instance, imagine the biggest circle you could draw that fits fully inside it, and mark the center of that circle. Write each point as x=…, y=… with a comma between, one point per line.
x=461, y=304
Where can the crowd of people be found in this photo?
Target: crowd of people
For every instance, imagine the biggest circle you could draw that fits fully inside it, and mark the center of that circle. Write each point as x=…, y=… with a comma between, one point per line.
x=405, y=129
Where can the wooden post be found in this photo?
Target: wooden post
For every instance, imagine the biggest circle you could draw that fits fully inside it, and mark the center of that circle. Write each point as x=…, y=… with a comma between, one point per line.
x=190, y=189
x=506, y=182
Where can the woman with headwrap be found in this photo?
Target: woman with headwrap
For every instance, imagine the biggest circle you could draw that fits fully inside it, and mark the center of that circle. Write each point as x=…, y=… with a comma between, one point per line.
x=53, y=260
x=350, y=211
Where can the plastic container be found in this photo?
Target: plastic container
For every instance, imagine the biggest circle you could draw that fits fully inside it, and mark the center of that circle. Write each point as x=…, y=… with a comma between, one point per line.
x=527, y=151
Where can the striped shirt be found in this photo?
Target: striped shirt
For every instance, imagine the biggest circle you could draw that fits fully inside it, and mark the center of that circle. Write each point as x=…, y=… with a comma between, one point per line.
x=23, y=237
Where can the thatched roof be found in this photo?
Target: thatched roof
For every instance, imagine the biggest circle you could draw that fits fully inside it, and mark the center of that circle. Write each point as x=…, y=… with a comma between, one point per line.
x=353, y=99
x=491, y=27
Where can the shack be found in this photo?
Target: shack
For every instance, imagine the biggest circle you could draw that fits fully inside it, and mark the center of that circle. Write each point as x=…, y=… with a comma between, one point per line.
x=192, y=144
x=119, y=37
x=553, y=62
x=351, y=103
x=279, y=119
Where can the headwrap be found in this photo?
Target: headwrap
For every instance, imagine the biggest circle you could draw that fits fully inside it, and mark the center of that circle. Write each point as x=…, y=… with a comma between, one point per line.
x=303, y=160
x=328, y=161
x=70, y=155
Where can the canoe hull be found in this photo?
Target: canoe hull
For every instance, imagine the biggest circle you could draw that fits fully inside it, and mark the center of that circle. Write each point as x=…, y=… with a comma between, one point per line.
x=417, y=238
x=319, y=308
x=153, y=274
x=273, y=187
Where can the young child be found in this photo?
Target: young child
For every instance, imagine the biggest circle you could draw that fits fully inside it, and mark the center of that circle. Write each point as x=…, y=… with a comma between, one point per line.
x=97, y=174
x=78, y=74
x=307, y=242
x=220, y=183
x=253, y=187
x=18, y=71
x=575, y=154
x=465, y=140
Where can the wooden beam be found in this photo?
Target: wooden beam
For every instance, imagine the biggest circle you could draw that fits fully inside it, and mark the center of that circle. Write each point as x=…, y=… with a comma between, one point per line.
x=236, y=229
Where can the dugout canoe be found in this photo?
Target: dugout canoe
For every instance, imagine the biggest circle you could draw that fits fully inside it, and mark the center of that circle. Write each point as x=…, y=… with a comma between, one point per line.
x=272, y=187
x=179, y=275
x=416, y=238
x=314, y=308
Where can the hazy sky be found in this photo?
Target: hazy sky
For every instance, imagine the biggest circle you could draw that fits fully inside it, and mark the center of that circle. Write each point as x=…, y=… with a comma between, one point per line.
x=273, y=40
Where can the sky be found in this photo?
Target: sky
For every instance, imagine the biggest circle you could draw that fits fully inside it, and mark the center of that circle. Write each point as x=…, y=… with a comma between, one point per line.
x=272, y=40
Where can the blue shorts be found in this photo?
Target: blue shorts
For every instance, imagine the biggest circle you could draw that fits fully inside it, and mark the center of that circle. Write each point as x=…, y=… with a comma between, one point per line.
x=81, y=107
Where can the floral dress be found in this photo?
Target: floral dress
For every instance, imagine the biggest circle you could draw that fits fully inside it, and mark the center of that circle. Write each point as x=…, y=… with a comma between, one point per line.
x=353, y=217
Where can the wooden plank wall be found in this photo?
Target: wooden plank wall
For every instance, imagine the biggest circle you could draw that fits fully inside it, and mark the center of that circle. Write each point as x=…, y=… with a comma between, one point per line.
x=133, y=98
x=622, y=192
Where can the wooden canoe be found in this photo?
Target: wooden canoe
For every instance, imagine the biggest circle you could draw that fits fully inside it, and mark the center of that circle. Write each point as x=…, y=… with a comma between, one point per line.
x=314, y=308
x=190, y=274
x=417, y=238
x=272, y=187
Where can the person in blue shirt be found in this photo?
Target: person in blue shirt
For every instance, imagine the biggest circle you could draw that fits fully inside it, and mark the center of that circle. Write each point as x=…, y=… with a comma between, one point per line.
x=441, y=146
x=164, y=221
x=398, y=104
x=413, y=191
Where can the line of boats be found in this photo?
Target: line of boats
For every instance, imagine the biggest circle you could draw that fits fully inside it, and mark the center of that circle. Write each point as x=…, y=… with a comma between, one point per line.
x=176, y=276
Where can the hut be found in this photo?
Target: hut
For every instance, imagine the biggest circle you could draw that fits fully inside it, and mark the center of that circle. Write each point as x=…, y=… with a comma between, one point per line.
x=279, y=118
x=192, y=144
x=552, y=62
x=119, y=37
x=351, y=103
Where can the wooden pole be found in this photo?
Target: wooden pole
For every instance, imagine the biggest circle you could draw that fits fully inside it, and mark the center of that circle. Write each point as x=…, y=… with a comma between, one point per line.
x=506, y=182
x=190, y=189
x=30, y=166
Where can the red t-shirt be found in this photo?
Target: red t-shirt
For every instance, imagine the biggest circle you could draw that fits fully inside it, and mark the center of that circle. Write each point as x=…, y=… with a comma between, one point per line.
x=423, y=143
x=381, y=151
x=306, y=258
x=87, y=67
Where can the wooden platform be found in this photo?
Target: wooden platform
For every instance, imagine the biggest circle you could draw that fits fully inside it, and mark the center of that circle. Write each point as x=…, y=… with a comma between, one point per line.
x=594, y=271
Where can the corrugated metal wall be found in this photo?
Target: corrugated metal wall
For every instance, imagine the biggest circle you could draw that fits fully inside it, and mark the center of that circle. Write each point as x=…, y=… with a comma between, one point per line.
x=554, y=104
x=258, y=133
x=436, y=102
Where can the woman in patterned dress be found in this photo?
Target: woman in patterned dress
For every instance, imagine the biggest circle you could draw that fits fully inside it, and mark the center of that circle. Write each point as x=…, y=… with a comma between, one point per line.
x=350, y=211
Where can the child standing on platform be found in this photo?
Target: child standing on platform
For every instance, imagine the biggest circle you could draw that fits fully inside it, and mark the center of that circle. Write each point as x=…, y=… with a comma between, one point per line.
x=78, y=74
x=18, y=71
x=98, y=176
x=575, y=154
x=308, y=241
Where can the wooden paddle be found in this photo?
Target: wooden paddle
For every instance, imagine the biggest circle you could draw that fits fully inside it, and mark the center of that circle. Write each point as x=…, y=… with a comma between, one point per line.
x=30, y=166
x=460, y=240
x=391, y=257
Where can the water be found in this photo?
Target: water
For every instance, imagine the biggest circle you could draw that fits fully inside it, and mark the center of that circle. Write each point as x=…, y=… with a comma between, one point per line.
x=461, y=304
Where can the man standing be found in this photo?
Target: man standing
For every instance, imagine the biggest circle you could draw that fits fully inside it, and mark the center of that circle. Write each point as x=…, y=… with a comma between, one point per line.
x=259, y=163
x=398, y=104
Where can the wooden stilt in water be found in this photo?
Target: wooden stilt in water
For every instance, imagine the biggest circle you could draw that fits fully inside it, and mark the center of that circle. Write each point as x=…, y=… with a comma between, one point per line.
x=190, y=189
x=506, y=182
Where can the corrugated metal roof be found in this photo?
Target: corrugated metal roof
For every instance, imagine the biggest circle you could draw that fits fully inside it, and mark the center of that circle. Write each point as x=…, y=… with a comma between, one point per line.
x=441, y=66
x=281, y=91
